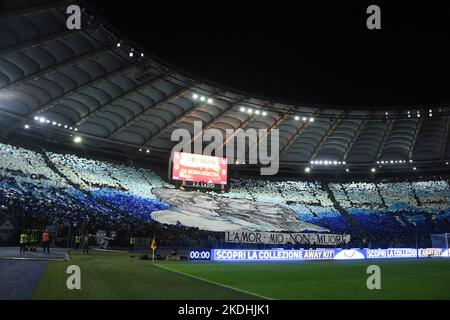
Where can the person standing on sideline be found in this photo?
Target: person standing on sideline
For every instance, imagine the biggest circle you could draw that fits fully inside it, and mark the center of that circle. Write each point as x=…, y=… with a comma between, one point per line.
x=46, y=241
x=86, y=243
x=132, y=242
x=77, y=243
x=23, y=241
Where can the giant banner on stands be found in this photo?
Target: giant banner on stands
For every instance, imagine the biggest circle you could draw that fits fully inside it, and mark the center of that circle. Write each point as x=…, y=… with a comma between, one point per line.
x=279, y=238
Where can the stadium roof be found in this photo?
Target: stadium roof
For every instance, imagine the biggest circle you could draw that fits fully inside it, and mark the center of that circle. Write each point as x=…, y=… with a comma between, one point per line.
x=96, y=84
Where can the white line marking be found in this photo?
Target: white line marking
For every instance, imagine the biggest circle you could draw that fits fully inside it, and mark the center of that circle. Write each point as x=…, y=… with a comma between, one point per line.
x=215, y=283
x=108, y=250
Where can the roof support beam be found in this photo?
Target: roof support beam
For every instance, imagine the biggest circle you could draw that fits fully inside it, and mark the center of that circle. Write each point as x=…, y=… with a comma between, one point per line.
x=53, y=68
x=124, y=95
x=386, y=135
x=355, y=137
x=336, y=122
x=297, y=134
x=211, y=123
x=65, y=96
x=285, y=115
x=31, y=10
x=174, y=96
x=415, y=138
x=177, y=120
x=37, y=42
x=86, y=135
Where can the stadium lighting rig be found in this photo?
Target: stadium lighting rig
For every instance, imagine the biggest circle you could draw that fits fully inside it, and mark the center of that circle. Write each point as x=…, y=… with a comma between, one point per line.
x=327, y=162
x=43, y=121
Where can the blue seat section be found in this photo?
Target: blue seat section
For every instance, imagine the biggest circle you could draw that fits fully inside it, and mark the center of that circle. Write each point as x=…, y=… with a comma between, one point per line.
x=331, y=220
x=137, y=207
x=38, y=198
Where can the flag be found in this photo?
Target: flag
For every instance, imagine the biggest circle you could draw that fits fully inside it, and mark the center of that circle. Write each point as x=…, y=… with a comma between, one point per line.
x=153, y=245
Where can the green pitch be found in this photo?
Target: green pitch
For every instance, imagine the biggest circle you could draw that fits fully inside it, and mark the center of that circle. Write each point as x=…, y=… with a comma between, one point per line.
x=123, y=276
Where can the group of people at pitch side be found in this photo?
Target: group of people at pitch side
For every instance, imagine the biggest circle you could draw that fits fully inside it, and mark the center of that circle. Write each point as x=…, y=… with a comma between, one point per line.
x=29, y=241
x=82, y=239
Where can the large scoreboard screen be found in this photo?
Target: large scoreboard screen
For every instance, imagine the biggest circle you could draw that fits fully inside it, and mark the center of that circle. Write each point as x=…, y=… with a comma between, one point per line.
x=198, y=168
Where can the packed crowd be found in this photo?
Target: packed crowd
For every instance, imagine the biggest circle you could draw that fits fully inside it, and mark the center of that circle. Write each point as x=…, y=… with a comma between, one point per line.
x=67, y=188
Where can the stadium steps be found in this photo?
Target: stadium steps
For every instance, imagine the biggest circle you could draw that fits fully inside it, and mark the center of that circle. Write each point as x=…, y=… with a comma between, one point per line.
x=383, y=202
x=419, y=203
x=342, y=211
x=103, y=203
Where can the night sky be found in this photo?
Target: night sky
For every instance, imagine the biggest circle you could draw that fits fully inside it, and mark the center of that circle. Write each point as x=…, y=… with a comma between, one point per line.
x=323, y=55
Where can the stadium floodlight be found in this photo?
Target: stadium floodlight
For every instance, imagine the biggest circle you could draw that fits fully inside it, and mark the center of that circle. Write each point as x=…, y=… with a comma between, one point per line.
x=304, y=119
x=343, y=162
x=77, y=139
x=54, y=123
x=250, y=110
x=47, y=121
x=264, y=113
x=210, y=101
x=257, y=112
x=140, y=150
x=320, y=162
x=41, y=119
x=414, y=168
x=59, y=124
x=195, y=96
x=76, y=129
x=118, y=44
x=27, y=126
x=307, y=169
x=202, y=99
x=142, y=55
x=65, y=127
x=131, y=54
x=410, y=161
x=346, y=170
x=335, y=163
x=311, y=119
x=297, y=118
x=325, y=162
x=242, y=109
x=36, y=118
x=148, y=151
x=70, y=128
x=373, y=170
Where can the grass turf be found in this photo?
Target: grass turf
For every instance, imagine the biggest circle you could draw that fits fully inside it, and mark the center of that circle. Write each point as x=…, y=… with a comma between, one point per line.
x=121, y=276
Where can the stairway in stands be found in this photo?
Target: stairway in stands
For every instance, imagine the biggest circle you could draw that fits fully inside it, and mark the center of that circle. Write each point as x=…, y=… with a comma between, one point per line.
x=342, y=211
x=383, y=202
x=419, y=203
x=55, y=169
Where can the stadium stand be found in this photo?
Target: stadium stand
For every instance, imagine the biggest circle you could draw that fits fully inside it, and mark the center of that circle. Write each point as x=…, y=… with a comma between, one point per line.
x=95, y=85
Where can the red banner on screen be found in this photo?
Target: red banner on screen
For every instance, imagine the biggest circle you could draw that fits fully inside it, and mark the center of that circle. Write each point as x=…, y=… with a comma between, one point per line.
x=198, y=168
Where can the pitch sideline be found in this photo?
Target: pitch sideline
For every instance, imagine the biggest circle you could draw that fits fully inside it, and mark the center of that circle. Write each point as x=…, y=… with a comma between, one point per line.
x=215, y=283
